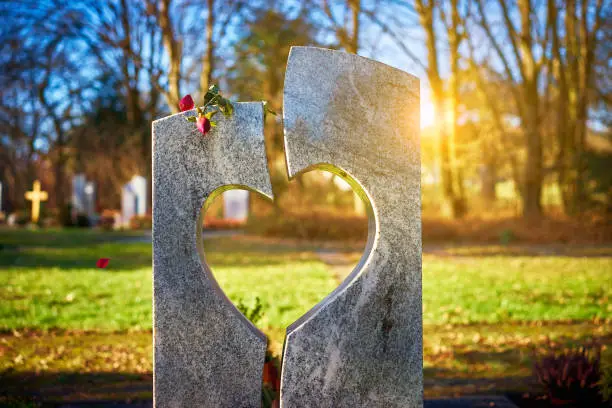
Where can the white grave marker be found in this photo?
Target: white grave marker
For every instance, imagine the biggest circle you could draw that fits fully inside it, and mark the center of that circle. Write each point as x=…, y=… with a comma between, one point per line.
x=236, y=205
x=83, y=195
x=133, y=199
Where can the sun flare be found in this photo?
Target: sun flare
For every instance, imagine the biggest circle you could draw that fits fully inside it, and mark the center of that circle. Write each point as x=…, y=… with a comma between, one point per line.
x=428, y=114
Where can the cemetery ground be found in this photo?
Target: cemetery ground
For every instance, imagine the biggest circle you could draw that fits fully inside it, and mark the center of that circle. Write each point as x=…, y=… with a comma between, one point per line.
x=70, y=331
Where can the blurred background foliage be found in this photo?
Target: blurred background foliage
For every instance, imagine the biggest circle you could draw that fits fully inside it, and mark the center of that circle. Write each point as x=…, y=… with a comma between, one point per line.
x=515, y=95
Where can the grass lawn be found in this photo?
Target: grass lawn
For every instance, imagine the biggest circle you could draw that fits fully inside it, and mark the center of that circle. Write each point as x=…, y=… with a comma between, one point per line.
x=66, y=325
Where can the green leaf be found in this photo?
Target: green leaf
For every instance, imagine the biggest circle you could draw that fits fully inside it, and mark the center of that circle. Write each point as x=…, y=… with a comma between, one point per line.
x=213, y=124
x=191, y=119
x=226, y=107
x=210, y=114
x=211, y=93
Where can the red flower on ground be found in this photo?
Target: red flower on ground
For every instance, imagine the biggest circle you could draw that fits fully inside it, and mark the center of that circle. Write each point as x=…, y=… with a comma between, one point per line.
x=186, y=103
x=102, y=263
x=203, y=124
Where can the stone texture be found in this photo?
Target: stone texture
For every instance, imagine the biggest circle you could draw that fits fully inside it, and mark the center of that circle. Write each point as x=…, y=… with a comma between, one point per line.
x=207, y=354
x=362, y=345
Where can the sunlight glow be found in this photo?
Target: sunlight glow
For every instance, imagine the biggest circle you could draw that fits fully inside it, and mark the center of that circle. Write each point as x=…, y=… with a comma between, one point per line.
x=428, y=114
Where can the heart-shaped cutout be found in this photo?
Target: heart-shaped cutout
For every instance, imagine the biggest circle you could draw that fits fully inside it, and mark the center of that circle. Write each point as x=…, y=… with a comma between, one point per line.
x=286, y=265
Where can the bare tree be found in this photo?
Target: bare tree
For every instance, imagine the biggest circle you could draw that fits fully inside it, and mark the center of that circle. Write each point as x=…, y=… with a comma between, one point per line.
x=216, y=16
x=46, y=70
x=522, y=65
x=574, y=48
x=343, y=20
x=447, y=130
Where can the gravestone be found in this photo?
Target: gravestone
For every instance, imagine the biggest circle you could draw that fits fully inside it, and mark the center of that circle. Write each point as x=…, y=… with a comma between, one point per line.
x=133, y=199
x=362, y=345
x=36, y=196
x=207, y=354
x=236, y=205
x=78, y=192
x=90, y=198
x=83, y=195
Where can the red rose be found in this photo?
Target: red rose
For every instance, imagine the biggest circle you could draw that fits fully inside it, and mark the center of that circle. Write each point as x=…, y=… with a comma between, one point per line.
x=186, y=103
x=203, y=124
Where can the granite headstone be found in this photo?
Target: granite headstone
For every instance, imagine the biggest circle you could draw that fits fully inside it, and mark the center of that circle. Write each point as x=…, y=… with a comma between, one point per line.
x=207, y=354
x=362, y=345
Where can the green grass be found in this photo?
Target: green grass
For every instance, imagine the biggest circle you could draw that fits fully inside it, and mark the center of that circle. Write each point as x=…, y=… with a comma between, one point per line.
x=501, y=289
x=65, y=325
x=92, y=299
x=59, y=287
x=60, y=238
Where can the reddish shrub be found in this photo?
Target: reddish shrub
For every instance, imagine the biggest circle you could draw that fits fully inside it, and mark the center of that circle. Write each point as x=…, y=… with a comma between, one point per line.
x=572, y=377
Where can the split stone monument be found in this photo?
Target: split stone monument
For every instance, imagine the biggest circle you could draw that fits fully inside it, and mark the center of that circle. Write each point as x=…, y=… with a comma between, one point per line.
x=362, y=345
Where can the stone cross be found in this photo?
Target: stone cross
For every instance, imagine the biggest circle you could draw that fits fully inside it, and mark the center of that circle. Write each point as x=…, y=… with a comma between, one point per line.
x=36, y=196
x=362, y=345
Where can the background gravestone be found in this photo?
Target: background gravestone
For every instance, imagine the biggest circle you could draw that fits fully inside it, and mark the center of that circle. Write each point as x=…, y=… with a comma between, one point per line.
x=207, y=354
x=133, y=199
x=362, y=345
x=236, y=205
x=83, y=195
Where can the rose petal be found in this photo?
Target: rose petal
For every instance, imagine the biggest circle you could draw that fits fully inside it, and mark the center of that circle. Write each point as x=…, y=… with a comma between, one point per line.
x=102, y=263
x=186, y=103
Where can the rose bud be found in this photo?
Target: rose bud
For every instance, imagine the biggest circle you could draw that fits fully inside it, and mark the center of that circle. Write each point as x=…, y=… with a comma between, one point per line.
x=203, y=124
x=186, y=103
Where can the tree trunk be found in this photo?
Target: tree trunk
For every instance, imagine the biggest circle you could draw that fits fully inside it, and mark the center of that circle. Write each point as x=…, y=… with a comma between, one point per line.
x=532, y=191
x=563, y=128
x=355, y=11
x=488, y=173
x=60, y=199
x=532, y=172
x=574, y=57
x=488, y=181
x=173, y=48
x=208, y=60
x=455, y=192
